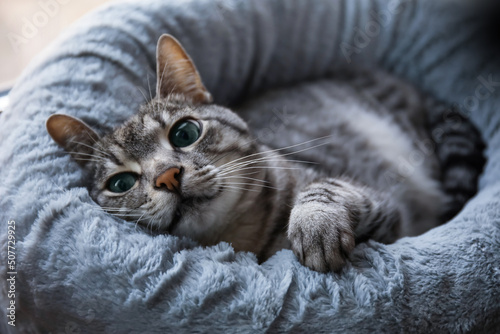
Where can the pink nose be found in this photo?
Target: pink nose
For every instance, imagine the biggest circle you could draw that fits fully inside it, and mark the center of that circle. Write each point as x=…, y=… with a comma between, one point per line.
x=169, y=179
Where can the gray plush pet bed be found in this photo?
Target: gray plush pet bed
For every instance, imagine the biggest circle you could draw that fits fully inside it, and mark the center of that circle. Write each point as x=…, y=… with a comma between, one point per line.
x=80, y=270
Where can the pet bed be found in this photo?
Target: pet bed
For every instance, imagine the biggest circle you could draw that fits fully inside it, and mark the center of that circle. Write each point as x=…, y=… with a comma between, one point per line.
x=80, y=270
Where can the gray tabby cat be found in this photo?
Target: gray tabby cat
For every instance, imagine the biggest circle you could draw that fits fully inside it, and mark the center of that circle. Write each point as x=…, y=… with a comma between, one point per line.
x=191, y=168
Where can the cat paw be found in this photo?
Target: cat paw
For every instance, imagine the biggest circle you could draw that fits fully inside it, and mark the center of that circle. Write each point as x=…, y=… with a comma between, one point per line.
x=321, y=236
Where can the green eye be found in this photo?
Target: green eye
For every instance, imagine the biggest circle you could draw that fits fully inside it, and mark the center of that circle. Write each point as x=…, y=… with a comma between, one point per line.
x=185, y=133
x=122, y=182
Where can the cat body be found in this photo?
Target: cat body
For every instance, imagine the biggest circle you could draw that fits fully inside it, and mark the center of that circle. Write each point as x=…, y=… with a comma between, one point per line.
x=342, y=161
x=375, y=148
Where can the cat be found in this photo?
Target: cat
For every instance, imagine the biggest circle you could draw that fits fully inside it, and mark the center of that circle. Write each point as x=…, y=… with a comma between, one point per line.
x=344, y=160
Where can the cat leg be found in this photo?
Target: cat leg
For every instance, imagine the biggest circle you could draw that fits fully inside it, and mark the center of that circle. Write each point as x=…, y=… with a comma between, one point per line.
x=331, y=215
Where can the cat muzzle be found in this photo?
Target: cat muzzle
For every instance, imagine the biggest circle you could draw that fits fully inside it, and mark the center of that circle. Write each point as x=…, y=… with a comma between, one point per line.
x=170, y=180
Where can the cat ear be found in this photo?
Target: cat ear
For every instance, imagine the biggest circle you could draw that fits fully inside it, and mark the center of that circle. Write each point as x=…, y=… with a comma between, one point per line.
x=76, y=137
x=176, y=73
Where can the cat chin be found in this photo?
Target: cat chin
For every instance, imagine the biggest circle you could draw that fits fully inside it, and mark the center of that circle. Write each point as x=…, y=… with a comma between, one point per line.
x=175, y=221
x=201, y=223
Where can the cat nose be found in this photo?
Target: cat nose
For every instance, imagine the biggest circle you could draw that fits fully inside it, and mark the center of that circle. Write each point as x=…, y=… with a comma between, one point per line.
x=170, y=179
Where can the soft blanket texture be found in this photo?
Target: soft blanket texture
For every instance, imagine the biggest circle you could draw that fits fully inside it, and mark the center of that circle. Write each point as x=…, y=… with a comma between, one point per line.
x=81, y=270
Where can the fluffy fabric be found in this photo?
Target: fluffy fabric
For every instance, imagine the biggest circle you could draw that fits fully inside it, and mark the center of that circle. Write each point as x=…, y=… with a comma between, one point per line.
x=81, y=270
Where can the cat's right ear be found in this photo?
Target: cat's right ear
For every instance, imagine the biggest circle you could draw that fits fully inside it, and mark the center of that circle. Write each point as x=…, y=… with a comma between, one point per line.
x=76, y=137
x=176, y=73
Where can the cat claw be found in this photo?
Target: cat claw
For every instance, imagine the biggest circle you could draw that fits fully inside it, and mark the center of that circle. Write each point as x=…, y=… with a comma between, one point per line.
x=321, y=240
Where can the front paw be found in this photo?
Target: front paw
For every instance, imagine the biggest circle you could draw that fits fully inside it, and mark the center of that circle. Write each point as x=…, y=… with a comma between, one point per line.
x=321, y=235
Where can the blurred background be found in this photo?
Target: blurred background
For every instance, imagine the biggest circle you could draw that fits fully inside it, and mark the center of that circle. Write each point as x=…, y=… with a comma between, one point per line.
x=28, y=26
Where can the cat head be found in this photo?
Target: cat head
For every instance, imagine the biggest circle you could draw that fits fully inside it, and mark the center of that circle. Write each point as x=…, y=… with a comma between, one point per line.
x=173, y=166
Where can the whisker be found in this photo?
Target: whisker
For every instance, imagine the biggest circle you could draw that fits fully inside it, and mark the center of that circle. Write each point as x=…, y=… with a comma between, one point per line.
x=142, y=93
x=270, y=159
x=134, y=215
x=128, y=213
x=89, y=155
x=262, y=167
x=249, y=184
x=239, y=188
x=152, y=220
x=114, y=207
x=265, y=159
x=242, y=177
x=58, y=187
x=102, y=152
x=149, y=87
x=119, y=207
x=82, y=159
x=284, y=148
x=123, y=215
x=244, y=174
x=140, y=218
x=121, y=211
x=213, y=161
x=91, y=147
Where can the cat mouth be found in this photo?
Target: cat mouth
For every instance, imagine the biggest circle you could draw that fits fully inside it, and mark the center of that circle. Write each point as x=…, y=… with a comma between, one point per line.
x=175, y=220
x=186, y=205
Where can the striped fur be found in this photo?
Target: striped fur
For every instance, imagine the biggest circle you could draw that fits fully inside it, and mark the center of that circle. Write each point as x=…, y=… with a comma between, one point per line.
x=379, y=172
x=316, y=168
x=459, y=149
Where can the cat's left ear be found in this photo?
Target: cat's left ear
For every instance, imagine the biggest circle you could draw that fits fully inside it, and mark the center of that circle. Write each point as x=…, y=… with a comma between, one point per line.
x=76, y=137
x=176, y=73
